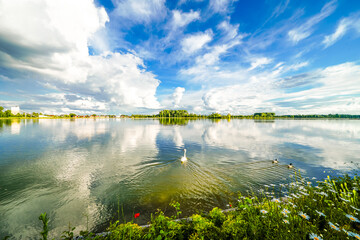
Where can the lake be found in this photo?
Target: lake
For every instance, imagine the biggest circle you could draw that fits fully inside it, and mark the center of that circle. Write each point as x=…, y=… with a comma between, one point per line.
x=92, y=171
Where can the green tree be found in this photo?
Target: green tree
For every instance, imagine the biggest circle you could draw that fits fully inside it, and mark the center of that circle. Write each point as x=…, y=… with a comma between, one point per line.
x=72, y=115
x=215, y=115
x=8, y=113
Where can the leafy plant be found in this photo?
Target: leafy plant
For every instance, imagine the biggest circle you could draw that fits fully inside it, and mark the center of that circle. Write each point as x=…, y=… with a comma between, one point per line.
x=45, y=221
x=299, y=210
x=69, y=234
x=176, y=205
x=124, y=231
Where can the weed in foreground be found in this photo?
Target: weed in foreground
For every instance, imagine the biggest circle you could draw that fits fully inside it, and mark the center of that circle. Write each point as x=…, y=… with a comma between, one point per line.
x=326, y=209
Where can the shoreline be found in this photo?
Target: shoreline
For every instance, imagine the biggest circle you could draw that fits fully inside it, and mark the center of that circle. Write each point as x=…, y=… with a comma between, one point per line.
x=185, y=118
x=297, y=209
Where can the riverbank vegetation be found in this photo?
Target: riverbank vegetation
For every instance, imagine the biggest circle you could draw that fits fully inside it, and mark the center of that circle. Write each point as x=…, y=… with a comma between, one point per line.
x=261, y=115
x=9, y=114
x=302, y=209
x=178, y=114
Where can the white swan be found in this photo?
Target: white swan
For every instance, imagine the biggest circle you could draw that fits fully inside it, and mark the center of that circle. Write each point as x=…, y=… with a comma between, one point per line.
x=184, y=158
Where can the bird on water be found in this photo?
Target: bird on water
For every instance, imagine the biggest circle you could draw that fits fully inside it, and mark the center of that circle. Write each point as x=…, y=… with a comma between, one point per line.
x=275, y=161
x=290, y=165
x=184, y=158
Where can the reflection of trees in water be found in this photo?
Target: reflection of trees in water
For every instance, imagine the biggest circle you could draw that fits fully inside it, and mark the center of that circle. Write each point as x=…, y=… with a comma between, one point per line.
x=8, y=122
x=264, y=121
x=173, y=121
x=13, y=124
x=215, y=120
x=5, y=122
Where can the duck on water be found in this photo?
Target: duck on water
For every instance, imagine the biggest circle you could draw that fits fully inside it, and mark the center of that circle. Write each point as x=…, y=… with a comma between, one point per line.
x=276, y=161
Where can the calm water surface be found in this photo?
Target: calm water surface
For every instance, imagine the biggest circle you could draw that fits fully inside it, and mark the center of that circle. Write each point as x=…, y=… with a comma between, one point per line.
x=84, y=171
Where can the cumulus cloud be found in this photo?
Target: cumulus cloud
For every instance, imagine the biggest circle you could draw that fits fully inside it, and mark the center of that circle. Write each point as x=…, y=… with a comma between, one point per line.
x=195, y=42
x=49, y=40
x=345, y=24
x=243, y=98
x=303, y=31
x=334, y=89
x=177, y=95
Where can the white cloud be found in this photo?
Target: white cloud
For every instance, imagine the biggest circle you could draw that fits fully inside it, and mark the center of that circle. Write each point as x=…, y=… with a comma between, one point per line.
x=336, y=82
x=140, y=11
x=177, y=95
x=195, y=42
x=49, y=40
x=280, y=9
x=345, y=24
x=229, y=39
x=242, y=98
x=220, y=6
x=181, y=19
x=206, y=67
x=259, y=62
x=303, y=31
x=239, y=91
x=298, y=34
x=211, y=57
x=296, y=66
x=230, y=31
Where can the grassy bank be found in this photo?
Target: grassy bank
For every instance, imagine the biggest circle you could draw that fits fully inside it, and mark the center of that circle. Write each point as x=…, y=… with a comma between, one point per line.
x=303, y=209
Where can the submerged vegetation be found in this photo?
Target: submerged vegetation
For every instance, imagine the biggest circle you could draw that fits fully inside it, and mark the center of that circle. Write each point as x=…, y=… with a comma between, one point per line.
x=302, y=209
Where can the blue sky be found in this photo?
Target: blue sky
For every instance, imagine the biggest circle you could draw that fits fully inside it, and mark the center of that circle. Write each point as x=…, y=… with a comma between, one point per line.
x=141, y=56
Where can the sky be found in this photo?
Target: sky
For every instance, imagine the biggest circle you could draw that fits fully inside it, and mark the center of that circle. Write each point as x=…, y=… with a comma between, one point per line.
x=142, y=56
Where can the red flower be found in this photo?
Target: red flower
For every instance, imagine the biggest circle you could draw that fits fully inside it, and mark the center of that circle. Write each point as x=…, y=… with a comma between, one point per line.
x=230, y=205
x=137, y=215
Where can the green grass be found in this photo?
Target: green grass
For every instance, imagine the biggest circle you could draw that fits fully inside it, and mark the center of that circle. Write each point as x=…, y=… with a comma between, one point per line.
x=302, y=209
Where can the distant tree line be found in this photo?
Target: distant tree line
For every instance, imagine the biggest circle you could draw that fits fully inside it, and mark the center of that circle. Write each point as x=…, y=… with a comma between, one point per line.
x=73, y=115
x=321, y=116
x=170, y=114
x=264, y=115
x=258, y=115
x=8, y=113
x=181, y=114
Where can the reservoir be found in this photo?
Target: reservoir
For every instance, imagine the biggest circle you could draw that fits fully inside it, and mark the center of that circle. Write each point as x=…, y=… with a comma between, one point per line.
x=89, y=172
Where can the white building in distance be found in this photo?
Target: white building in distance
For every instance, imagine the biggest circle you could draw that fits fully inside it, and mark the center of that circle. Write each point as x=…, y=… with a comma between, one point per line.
x=15, y=110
